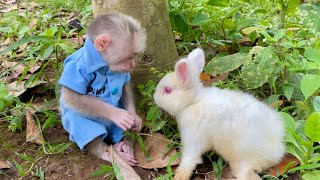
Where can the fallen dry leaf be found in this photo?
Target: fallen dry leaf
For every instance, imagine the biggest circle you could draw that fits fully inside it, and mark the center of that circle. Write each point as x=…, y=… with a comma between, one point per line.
x=16, y=70
x=4, y=165
x=277, y=103
x=33, y=132
x=205, y=76
x=8, y=41
x=280, y=168
x=245, y=41
x=208, y=79
x=126, y=170
x=22, y=47
x=227, y=173
x=29, y=5
x=42, y=105
x=33, y=23
x=8, y=1
x=155, y=143
x=16, y=89
x=10, y=8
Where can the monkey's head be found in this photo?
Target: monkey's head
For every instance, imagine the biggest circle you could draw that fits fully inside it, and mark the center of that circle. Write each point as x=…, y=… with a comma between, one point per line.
x=119, y=39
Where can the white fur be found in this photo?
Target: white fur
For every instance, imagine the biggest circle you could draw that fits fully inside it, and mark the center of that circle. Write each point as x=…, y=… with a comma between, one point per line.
x=244, y=131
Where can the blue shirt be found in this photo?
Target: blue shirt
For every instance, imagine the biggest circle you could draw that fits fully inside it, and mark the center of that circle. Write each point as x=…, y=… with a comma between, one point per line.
x=86, y=72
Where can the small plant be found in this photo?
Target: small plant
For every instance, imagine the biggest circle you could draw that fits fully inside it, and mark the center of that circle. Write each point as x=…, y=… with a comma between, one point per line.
x=303, y=139
x=32, y=162
x=107, y=171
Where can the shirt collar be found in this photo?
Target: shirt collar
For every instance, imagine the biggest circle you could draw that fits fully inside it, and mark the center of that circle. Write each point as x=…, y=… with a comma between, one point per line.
x=92, y=59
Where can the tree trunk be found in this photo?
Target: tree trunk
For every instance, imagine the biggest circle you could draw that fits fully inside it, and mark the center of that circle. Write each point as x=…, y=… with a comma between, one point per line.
x=160, y=51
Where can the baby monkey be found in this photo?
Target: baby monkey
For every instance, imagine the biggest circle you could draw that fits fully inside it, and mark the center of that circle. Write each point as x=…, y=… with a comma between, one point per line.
x=96, y=97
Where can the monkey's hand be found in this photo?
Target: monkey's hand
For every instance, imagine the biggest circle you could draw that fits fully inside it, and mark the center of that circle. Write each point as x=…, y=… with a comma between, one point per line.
x=123, y=119
x=137, y=122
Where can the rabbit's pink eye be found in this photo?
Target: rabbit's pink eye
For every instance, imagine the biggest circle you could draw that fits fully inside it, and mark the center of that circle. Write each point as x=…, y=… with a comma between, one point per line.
x=167, y=90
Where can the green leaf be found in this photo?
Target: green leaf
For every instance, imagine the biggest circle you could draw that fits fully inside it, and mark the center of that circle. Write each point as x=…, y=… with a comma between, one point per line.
x=272, y=99
x=218, y=3
x=287, y=91
x=226, y=63
x=243, y=23
x=48, y=52
x=305, y=167
x=309, y=84
x=249, y=30
x=292, y=6
x=97, y=173
x=106, y=168
x=313, y=175
x=23, y=30
x=232, y=12
x=67, y=48
x=143, y=147
x=26, y=40
x=262, y=11
x=279, y=34
x=312, y=55
x=50, y=32
x=1, y=105
x=117, y=171
x=312, y=127
x=166, y=150
x=289, y=122
x=19, y=168
x=260, y=65
x=25, y=157
x=199, y=19
x=3, y=90
x=179, y=22
x=159, y=125
x=267, y=36
x=6, y=29
x=316, y=103
x=103, y=169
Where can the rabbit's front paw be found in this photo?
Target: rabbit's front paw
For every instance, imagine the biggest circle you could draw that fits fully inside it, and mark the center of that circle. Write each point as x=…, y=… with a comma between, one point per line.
x=182, y=175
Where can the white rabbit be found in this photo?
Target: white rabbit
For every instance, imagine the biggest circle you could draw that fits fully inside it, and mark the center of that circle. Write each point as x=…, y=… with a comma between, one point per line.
x=245, y=132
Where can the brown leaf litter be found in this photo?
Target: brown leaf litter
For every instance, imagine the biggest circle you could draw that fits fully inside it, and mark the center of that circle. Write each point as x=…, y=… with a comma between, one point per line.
x=33, y=133
x=156, y=144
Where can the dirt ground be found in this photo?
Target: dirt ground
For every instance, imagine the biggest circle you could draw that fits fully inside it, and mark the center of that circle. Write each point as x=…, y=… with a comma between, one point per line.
x=71, y=164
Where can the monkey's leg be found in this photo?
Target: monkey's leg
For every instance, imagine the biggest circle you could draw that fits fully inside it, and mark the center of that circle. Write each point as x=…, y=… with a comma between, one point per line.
x=125, y=150
x=99, y=149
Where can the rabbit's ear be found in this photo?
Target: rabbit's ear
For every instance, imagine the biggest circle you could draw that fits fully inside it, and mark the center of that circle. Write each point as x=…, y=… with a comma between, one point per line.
x=182, y=72
x=196, y=60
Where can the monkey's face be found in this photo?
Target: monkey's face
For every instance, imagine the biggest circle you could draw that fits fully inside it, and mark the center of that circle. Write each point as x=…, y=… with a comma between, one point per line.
x=123, y=64
x=120, y=55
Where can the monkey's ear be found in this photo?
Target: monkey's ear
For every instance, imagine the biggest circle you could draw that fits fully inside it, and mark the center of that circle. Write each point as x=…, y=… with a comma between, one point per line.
x=102, y=42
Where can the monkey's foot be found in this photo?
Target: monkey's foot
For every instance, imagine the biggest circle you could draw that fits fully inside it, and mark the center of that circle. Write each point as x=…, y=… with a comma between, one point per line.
x=126, y=152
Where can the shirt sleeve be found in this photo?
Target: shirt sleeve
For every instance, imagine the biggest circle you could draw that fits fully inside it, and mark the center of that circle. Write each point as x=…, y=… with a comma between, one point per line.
x=75, y=77
x=127, y=79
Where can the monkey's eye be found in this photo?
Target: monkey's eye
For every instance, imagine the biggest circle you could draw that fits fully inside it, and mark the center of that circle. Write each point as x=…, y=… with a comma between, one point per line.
x=130, y=59
x=167, y=90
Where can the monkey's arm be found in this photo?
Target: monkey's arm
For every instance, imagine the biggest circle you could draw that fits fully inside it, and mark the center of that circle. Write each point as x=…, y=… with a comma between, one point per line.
x=127, y=98
x=128, y=103
x=92, y=107
x=87, y=105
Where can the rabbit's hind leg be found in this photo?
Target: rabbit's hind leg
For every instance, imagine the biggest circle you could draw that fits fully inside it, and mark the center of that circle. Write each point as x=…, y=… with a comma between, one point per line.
x=243, y=171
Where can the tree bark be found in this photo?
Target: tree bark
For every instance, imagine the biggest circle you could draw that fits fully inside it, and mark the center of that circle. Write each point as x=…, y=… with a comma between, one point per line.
x=160, y=51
